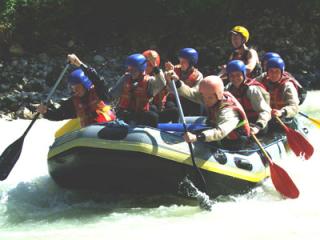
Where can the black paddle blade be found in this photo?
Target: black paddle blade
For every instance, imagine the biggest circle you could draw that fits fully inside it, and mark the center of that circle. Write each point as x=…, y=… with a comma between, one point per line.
x=9, y=158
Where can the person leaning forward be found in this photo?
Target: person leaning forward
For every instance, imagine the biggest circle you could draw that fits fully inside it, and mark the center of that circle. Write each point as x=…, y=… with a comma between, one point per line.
x=186, y=72
x=225, y=114
x=87, y=100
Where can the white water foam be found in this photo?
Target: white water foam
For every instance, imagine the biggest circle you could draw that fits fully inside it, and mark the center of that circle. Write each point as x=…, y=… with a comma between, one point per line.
x=33, y=207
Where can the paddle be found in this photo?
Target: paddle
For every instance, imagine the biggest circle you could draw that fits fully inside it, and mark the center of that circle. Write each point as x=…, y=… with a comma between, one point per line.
x=316, y=122
x=12, y=153
x=202, y=180
x=280, y=178
x=298, y=143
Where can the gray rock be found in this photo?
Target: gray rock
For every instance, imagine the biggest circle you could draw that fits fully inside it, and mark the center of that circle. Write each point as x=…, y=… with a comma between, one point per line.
x=24, y=62
x=4, y=87
x=24, y=112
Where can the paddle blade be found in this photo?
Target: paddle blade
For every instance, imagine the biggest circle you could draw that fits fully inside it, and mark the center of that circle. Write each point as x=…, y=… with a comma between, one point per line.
x=9, y=158
x=282, y=182
x=316, y=122
x=299, y=144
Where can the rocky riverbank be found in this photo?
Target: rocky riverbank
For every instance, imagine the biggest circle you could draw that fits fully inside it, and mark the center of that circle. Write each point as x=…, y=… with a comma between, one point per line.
x=25, y=81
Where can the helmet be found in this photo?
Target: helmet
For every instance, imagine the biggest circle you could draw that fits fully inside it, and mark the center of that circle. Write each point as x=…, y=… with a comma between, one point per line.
x=236, y=66
x=269, y=55
x=241, y=30
x=137, y=61
x=276, y=63
x=190, y=54
x=212, y=84
x=152, y=54
x=78, y=77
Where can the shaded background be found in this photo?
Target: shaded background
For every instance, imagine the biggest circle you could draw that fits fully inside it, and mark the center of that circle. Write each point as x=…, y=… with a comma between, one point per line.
x=52, y=28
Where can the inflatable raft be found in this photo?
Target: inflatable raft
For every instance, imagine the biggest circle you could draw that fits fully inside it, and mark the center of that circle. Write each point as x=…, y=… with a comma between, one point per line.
x=122, y=159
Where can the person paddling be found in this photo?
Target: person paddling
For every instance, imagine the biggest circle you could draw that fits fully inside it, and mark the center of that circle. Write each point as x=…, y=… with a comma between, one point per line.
x=135, y=89
x=283, y=89
x=186, y=72
x=87, y=101
x=252, y=95
x=225, y=114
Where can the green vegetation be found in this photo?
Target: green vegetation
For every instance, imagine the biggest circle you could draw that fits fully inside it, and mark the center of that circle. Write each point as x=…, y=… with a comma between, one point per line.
x=290, y=27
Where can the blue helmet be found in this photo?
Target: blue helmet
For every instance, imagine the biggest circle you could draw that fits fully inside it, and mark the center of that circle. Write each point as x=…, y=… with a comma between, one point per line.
x=78, y=77
x=190, y=54
x=137, y=61
x=236, y=66
x=270, y=55
x=276, y=63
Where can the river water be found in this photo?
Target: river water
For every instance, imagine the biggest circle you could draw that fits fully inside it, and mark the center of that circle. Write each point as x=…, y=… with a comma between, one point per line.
x=33, y=207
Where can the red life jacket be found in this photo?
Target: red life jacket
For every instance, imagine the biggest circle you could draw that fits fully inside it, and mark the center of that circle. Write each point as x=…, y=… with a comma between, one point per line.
x=190, y=77
x=160, y=99
x=90, y=109
x=276, y=89
x=229, y=101
x=241, y=95
x=135, y=98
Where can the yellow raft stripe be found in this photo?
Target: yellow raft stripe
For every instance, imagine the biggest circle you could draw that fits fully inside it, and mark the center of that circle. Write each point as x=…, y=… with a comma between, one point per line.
x=160, y=152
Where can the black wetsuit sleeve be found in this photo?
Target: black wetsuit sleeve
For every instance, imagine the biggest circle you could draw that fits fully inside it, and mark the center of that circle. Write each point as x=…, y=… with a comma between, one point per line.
x=97, y=81
x=65, y=111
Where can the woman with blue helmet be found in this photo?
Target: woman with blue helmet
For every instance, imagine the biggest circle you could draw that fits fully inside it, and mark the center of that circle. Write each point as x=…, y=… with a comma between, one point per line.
x=189, y=75
x=135, y=90
x=87, y=101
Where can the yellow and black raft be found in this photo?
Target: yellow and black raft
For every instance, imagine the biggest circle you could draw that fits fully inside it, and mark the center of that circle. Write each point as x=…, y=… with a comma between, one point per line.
x=120, y=159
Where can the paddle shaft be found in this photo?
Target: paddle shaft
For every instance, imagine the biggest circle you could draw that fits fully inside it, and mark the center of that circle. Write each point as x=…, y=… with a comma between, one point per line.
x=261, y=148
x=316, y=122
x=11, y=154
x=280, y=178
x=302, y=114
x=281, y=123
x=173, y=85
x=53, y=89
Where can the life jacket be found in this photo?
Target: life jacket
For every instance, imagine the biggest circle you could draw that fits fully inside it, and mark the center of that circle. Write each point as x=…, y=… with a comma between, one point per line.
x=134, y=94
x=190, y=77
x=90, y=109
x=276, y=89
x=241, y=95
x=160, y=99
x=235, y=55
x=229, y=101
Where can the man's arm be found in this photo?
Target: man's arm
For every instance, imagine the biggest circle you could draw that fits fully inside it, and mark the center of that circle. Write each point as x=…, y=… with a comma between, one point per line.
x=253, y=60
x=65, y=111
x=192, y=94
x=259, y=105
x=291, y=100
x=156, y=83
x=97, y=81
x=227, y=121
